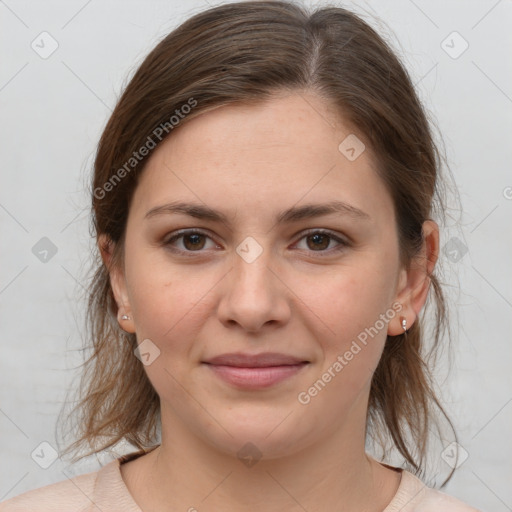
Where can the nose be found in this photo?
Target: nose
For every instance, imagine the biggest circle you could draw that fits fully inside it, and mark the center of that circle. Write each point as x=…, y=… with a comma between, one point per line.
x=253, y=295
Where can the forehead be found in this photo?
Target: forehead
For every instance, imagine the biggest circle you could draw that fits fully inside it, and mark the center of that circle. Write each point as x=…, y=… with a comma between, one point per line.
x=262, y=158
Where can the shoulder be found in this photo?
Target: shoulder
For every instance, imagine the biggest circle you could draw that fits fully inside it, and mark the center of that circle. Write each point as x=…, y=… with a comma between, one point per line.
x=100, y=490
x=414, y=496
x=70, y=495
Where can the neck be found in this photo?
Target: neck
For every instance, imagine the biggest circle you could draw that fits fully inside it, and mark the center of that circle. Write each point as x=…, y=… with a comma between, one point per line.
x=186, y=473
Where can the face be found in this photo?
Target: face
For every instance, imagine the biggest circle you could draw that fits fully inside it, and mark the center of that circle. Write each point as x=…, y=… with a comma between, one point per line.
x=270, y=276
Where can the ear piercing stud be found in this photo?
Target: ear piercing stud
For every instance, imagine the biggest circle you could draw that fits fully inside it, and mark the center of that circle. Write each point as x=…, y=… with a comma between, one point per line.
x=125, y=317
x=404, y=323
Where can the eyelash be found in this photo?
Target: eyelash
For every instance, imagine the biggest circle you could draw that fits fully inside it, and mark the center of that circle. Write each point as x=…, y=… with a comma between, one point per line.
x=180, y=234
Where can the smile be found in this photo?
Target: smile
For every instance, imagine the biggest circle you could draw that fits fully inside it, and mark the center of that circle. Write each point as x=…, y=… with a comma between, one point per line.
x=255, y=377
x=255, y=371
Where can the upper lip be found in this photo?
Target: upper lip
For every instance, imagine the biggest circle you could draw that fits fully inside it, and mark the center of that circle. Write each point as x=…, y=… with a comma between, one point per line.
x=242, y=360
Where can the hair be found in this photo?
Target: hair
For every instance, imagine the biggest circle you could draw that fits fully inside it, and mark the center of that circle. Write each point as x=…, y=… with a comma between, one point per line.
x=245, y=53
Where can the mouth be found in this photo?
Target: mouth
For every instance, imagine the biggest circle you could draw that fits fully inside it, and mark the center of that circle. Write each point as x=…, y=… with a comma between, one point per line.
x=255, y=371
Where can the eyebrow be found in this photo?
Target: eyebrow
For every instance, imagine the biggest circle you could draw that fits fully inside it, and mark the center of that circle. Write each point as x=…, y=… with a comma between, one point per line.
x=293, y=214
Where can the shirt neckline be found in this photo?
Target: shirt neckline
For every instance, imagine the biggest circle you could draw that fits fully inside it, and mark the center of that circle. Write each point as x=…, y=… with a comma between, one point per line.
x=110, y=482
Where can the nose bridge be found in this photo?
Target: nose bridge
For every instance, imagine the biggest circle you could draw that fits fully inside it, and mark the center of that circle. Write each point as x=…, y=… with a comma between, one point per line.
x=251, y=261
x=251, y=250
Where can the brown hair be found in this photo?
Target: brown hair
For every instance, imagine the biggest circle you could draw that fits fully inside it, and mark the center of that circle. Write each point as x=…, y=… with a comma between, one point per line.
x=246, y=52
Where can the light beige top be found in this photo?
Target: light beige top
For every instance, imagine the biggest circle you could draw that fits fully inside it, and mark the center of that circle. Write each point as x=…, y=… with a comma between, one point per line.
x=105, y=491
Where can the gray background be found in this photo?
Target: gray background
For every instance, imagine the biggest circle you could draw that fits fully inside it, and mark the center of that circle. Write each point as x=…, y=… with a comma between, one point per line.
x=53, y=111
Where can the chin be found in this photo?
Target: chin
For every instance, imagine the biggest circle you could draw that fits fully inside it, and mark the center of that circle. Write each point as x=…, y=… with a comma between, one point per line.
x=255, y=435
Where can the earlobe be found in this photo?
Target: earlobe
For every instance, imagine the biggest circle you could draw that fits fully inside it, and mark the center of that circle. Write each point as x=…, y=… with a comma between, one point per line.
x=124, y=313
x=125, y=321
x=400, y=323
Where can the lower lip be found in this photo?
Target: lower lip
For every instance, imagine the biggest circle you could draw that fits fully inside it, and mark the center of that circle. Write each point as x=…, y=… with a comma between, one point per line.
x=256, y=378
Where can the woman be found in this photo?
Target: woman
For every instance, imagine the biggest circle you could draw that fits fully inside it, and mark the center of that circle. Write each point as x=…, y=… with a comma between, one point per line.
x=262, y=201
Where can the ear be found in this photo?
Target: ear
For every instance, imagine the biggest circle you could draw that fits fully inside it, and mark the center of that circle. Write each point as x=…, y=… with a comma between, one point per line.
x=414, y=284
x=118, y=283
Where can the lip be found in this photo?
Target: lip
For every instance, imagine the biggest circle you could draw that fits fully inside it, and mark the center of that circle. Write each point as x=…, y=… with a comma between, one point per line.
x=265, y=359
x=255, y=371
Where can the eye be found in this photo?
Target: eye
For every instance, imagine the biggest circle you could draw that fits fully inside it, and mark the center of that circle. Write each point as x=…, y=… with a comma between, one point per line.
x=192, y=241
x=318, y=240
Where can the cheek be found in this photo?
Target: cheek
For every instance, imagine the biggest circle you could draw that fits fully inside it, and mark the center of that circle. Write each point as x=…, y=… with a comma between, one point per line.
x=350, y=299
x=169, y=302
x=356, y=306
x=168, y=310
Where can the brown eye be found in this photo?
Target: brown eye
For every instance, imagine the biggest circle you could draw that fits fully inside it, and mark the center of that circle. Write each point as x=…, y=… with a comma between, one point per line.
x=194, y=241
x=191, y=241
x=318, y=241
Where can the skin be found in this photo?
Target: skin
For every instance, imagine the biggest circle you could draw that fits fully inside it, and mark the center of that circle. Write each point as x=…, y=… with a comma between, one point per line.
x=252, y=162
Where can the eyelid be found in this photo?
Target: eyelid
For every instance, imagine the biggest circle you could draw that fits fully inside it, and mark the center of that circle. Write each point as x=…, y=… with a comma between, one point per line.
x=324, y=231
